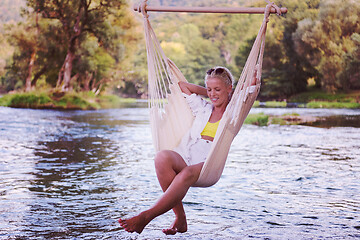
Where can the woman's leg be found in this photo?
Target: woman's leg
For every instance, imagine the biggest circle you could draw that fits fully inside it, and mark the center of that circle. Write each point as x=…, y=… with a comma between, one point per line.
x=168, y=164
x=171, y=198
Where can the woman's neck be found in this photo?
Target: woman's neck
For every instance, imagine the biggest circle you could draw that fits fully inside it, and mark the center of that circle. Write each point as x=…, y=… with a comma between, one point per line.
x=217, y=113
x=220, y=108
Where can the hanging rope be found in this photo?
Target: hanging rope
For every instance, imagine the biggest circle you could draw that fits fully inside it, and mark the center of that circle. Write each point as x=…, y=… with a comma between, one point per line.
x=171, y=117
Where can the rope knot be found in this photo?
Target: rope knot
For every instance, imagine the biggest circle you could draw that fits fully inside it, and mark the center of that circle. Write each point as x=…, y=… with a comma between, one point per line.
x=142, y=8
x=268, y=10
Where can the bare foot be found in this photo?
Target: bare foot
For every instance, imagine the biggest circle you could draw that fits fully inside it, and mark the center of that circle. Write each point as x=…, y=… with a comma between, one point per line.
x=179, y=225
x=134, y=224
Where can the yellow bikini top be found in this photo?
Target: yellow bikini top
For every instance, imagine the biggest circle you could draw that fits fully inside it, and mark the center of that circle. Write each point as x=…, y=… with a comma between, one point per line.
x=210, y=129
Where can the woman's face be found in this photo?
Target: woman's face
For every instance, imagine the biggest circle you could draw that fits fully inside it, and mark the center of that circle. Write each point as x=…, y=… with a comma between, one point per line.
x=218, y=91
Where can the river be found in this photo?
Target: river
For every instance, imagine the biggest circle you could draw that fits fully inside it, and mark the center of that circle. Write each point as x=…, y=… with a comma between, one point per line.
x=72, y=174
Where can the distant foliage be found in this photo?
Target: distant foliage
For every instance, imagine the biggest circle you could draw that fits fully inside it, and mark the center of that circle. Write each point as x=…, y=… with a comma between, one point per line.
x=331, y=42
x=290, y=60
x=10, y=10
x=72, y=45
x=317, y=41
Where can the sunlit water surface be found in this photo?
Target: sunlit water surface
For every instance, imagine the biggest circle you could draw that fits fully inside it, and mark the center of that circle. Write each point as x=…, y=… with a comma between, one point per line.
x=72, y=174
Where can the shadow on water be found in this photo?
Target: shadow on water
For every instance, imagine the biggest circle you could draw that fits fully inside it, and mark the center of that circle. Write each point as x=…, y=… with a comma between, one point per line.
x=70, y=174
x=73, y=185
x=336, y=121
x=69, y=158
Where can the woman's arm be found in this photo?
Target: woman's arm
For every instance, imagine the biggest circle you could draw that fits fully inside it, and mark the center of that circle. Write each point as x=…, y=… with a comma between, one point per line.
x=189, y=88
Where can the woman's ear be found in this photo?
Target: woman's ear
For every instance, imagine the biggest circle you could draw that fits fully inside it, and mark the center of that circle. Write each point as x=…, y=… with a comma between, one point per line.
x=231, y=94
x=230, y=90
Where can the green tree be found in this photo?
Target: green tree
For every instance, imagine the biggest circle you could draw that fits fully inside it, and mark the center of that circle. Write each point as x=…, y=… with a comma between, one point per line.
x=201, y=53
x=79, y=20
x=9, y=14
x=330, y=44
x=350, y=76
x=25, y=38
x=285, y=71
x=37, y=51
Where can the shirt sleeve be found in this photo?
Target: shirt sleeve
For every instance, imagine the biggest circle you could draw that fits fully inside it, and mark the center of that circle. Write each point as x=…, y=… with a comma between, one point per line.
x=195, y=102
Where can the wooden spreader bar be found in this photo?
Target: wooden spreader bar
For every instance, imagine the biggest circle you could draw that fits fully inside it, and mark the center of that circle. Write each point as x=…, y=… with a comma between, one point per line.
x=252, y=10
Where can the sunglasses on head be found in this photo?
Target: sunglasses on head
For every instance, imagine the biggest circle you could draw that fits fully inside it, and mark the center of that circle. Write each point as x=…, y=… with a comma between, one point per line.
x=217, y=71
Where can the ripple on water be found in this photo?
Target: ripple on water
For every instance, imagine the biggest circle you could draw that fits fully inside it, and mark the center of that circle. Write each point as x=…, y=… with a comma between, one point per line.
x=71, y=174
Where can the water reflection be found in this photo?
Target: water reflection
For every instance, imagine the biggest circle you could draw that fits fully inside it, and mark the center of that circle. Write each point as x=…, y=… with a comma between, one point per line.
x=70, y=175
x=69, y=158
x=337, y=121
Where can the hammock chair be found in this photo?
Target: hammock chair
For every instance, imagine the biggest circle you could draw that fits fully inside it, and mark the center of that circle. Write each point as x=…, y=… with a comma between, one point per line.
x=170, y=115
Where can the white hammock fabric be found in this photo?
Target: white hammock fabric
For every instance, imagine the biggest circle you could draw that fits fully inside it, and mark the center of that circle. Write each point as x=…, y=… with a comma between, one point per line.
x=171, y=117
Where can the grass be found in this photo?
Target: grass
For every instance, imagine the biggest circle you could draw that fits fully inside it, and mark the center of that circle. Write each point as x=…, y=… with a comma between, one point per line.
x=284, y=119
x=319, y=99
x=259, y=119
x=88, y=100
x=26, y=100
x=58, y=100
x=270, y=104
x=323, y=104
x=112, y=101
x=275, y=104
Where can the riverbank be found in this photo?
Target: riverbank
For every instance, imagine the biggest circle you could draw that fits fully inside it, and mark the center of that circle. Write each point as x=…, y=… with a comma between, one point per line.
x=314, y=98
x=62, y=101
x=89, y=101
x=262, y=119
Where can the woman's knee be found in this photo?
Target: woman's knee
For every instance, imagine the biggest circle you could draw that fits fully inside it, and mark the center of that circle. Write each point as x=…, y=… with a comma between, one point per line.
x=168, y=158
x=191, y=174
x=162, y=158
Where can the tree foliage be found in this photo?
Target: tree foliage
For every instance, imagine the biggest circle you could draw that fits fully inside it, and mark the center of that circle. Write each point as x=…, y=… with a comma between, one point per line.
x=330, y=42
x=96, y=45
x=83, y=44
x=289, y=63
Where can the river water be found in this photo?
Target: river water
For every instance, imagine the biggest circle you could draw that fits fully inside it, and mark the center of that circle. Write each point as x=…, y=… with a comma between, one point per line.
x=72, y=174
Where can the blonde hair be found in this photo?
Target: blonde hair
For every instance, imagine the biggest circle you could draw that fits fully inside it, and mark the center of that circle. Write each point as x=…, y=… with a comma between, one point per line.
x=222, y=73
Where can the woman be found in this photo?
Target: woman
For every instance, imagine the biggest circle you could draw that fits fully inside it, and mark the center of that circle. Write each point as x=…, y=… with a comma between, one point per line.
x=177, y=170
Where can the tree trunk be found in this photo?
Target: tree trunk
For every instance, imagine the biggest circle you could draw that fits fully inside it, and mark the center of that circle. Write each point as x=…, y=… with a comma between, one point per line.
x=64, y=77
x=38, y=75
x=68, y=64
x=32, y=58
x=30, y=68
x=87, y=79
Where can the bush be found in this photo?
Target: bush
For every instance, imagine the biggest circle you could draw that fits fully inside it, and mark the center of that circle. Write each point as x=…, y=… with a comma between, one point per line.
x=4, y=100
x=75, y=101
x=61, y=100
x=29, y=100
x=257, y=119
